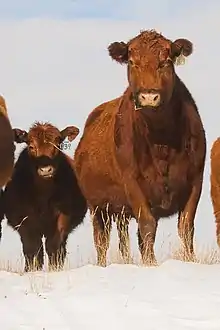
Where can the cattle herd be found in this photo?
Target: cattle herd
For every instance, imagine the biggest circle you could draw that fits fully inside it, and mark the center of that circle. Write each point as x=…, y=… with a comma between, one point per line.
x=141, y=155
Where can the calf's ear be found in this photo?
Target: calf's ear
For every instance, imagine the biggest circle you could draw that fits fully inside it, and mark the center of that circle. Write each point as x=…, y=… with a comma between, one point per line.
x=118, y=52
x=180, y=47
x=70, y=131
x=20, y=136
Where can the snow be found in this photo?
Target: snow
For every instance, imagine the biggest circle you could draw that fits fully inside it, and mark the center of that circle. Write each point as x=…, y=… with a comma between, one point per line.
x=172, y=296
x=175, y=295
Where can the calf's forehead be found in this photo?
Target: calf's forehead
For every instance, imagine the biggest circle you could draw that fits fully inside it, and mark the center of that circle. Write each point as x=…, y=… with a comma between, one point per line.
x=42, y=135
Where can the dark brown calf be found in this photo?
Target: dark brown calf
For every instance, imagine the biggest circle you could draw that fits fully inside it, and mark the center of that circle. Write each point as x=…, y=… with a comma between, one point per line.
x=43, y=196
x=144, y=152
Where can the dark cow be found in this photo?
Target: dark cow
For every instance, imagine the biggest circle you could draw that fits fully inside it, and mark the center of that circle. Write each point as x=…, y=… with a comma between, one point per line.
x=7, y=149
x=215, y=184
x=144, y=152
x=43, y=196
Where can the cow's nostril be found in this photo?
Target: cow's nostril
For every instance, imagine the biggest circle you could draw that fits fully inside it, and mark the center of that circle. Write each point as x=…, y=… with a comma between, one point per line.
x=149, y=99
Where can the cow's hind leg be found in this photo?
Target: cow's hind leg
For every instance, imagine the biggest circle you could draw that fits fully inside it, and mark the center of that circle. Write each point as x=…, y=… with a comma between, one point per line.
x=123, y=235
x=102, y=224
x=33, y=251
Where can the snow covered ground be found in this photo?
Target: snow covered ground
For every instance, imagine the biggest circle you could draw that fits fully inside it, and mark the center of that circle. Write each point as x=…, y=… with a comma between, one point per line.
x=173, y=296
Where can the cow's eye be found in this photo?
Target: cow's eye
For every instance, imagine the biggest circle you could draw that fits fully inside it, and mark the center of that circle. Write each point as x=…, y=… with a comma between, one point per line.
x=131, y=62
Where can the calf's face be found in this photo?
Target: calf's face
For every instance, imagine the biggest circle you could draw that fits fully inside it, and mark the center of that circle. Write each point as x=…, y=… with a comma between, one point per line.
x=150, y=59
x=43, y=145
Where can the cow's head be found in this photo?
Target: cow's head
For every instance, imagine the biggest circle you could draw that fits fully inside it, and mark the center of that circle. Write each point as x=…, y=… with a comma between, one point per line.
x=43, y=145
x=150, y=60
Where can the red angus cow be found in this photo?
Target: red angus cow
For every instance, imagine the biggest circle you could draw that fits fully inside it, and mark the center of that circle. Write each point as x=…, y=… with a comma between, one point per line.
x=144, y=151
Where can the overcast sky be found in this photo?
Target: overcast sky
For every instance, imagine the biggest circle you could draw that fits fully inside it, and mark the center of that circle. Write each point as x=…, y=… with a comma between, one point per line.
x=108, y=9
x=54, y=66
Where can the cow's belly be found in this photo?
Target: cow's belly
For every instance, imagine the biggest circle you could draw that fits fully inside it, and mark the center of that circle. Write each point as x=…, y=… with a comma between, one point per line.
x=166, y=195
x=102, y=191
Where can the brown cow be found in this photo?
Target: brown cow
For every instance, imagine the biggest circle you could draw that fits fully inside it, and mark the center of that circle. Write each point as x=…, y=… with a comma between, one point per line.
x=43, y=196
x=144, y=151
x=7, y=149
x=215, y=184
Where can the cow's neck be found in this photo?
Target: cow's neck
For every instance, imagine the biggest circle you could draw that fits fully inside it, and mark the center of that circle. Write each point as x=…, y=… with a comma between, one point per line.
x=162, y=125
x=44, y=187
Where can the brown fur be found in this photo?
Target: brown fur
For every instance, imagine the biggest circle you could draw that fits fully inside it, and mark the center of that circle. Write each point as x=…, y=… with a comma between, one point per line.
x=7, y=149
x=149, y=162
x=37, y=206
x=215, y=184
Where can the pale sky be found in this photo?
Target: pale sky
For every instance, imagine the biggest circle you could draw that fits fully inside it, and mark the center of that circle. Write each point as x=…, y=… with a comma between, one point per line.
x=55, y=66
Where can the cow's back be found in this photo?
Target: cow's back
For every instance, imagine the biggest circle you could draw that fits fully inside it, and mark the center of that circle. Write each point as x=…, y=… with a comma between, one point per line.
x=95, y=163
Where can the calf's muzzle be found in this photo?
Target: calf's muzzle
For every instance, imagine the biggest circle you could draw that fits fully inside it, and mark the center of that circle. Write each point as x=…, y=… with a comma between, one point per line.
x=46, y=171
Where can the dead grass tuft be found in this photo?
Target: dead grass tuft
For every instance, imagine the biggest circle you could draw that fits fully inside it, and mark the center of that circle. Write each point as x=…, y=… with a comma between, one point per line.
x=204, y=254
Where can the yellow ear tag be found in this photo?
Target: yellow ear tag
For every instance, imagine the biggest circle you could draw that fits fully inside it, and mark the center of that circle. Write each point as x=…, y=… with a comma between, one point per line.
x=180, y=60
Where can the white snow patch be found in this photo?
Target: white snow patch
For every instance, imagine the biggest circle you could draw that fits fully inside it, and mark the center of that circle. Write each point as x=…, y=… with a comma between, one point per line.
x=173, y=296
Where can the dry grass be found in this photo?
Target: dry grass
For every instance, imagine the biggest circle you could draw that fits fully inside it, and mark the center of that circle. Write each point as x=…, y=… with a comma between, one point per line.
x=204, y=254
x=11, y=267
x=41, y=281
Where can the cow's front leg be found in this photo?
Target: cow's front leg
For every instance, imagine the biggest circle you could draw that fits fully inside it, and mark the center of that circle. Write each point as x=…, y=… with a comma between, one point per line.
x=56, y=241
x=147, y=223
x=146, y=237
x=186, y=220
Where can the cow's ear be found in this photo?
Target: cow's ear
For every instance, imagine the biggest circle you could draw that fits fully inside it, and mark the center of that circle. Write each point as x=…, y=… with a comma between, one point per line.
x=20, y=136
x=118, y=52
x=70, y=131
x=181, y=48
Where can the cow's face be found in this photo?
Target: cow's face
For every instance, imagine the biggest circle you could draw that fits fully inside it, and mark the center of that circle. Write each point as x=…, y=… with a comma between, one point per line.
x=150, y=62
x=43, y=145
